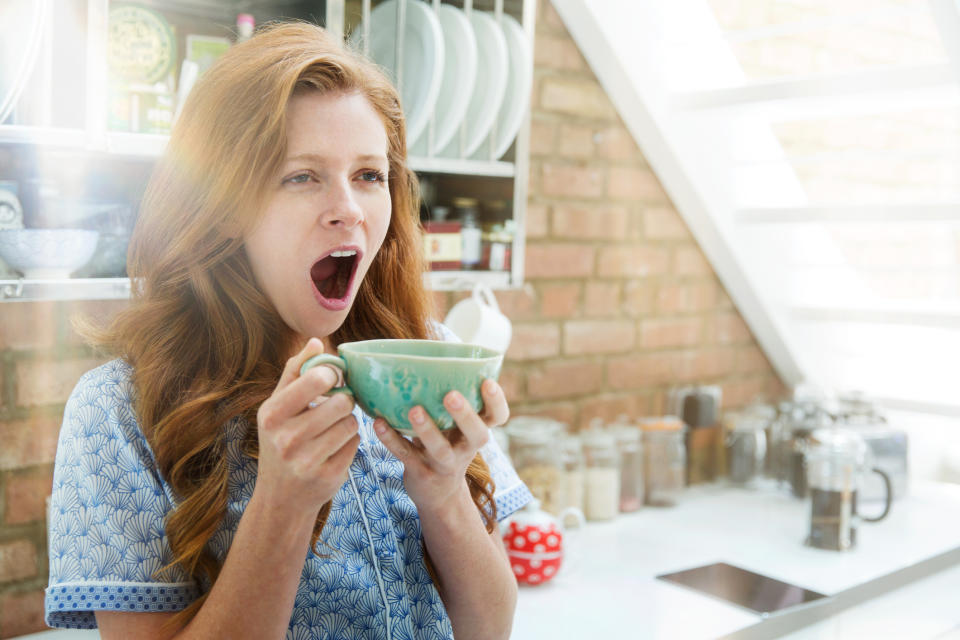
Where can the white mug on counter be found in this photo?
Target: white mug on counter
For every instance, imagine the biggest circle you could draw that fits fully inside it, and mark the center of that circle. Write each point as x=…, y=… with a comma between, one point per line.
x=478, y=320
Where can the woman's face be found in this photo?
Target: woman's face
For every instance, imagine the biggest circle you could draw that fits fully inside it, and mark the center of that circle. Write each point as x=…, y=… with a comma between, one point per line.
x=327, y=212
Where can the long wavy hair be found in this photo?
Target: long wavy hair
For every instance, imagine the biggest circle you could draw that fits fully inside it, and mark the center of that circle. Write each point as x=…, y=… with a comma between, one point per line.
x=205, y=344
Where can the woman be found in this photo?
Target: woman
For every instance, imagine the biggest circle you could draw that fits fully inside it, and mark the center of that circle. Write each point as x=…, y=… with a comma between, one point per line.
x=196, y=471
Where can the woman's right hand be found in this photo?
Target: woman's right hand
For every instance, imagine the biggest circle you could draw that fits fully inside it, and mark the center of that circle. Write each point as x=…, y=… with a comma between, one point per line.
x=305, y=450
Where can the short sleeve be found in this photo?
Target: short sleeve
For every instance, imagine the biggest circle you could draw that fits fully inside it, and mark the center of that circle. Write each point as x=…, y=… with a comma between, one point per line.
x=510, y=494
x=107, y=540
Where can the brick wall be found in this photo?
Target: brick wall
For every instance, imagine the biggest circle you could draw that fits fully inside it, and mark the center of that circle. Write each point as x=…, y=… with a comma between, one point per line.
x=619, y=305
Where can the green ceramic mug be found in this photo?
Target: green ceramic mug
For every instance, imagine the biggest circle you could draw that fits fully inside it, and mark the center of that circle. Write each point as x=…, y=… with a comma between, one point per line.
x=389, y=377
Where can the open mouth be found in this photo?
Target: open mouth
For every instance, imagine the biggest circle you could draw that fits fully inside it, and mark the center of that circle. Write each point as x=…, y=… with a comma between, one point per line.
x=332, y=276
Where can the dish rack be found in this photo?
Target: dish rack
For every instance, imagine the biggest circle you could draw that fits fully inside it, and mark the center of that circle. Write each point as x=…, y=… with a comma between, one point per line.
x=84, y=133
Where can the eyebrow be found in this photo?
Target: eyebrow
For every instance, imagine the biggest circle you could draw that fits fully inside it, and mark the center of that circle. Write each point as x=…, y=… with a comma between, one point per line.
x=313, y=157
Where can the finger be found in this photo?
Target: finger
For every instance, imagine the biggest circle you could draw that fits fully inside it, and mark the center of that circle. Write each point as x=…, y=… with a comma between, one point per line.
x=474, y=429
x=432, y=439
x=291, y=369
x=296, y=396
x=336, y=465
x=320, y=449
x=496, y=411
x=310, y=425
x=402, y=449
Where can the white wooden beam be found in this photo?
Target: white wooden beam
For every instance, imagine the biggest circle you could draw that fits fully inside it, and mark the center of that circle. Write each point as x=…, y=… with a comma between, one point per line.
x=929, y=212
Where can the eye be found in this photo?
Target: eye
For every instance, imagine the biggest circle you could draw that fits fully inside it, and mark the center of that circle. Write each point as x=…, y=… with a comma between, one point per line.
x=300, y=178
x=374, y=175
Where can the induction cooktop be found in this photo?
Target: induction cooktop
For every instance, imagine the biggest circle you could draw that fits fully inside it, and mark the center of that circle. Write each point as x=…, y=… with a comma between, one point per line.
x=747, y=589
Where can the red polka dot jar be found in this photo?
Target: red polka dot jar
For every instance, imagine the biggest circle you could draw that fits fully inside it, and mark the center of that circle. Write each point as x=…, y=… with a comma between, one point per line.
x=534, y=542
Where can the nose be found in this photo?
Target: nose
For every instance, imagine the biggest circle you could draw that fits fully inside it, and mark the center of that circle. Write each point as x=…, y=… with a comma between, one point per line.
x=341, y=208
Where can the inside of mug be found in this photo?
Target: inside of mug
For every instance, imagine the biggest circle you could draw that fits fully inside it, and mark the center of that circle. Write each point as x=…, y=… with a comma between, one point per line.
x=419, y=348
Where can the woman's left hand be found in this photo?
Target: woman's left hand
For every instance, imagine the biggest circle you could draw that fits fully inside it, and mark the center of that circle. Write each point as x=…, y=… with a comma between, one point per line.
x=435, y=462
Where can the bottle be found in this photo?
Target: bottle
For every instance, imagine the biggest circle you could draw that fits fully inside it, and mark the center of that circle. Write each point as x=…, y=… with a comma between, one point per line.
x=245, y=26
x=603, y=474
x=470, y=233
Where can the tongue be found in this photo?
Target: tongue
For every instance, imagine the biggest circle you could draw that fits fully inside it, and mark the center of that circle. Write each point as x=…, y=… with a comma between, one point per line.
x=323, y=269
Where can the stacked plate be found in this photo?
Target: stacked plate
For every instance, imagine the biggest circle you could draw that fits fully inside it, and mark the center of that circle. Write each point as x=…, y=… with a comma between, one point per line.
x=477, y=107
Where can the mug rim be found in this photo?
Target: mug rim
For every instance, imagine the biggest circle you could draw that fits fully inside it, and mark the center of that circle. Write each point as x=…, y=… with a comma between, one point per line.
x=487, y=352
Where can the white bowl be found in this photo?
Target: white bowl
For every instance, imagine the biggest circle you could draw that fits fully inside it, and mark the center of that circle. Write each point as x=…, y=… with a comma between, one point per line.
x=47, y=253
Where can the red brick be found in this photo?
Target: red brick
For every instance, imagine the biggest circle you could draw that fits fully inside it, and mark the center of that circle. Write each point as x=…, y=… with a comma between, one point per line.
x=643, y=370
x=639, y=297
x=18, y=560
x=665, y=333
x=96, y=312
x=567, y=181
x=46, y=381
x=559, y=300
x=723, y=298
x=751, y=359
x=664, y=223
x=609, y=407
x=616, y=143
x=576, y=141
x=729, y=328
x=603, y=222
x=571, y=96
x=559, y=261
x=29, y=325
x=28, y=442
x=630, y=183
x=714, y=363
x=598, y=336
x=534, y=341
x=601, y=299
x=26, y=495
x=549, y=17
x=685, y=298
x=537, y=220
x=632, y=261
x=518, y=304
x=441, y=303
x=21, y=613
x=557, y=52
x=690, y=261
x=565, y=379
x=740, y=393
x=512, y=381
x=543, y=137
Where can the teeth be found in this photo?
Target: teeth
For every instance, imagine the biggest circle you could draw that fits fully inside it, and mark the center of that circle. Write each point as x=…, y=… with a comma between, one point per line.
x=343, y=254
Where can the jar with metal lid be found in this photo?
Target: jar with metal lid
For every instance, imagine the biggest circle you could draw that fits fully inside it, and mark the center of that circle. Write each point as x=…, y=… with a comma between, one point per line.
x=602, y=474
x=537, y=458
x=631, y=466
x=574, y=465
x=746, y=442
x=468, y=212
x=664, y=458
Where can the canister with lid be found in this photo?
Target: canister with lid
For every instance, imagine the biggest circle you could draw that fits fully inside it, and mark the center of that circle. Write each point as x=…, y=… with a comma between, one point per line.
x=537, y=457
x=630, y=448
x=574, y=479
x=602, y=474
x=664, y=458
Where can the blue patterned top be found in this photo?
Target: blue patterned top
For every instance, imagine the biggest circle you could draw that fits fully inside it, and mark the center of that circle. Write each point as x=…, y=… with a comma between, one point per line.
x=108, y=510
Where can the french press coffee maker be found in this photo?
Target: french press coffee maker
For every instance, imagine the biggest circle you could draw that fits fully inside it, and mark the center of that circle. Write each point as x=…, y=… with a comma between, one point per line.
x=837, y=462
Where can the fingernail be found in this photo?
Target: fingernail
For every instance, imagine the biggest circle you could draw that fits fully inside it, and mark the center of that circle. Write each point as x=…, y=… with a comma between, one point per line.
x=379, y=426
x=417, y=415
x=493, y=388
x=454, y=400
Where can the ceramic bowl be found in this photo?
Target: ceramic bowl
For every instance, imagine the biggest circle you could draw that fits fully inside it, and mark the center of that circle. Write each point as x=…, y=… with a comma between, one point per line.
x=47, y=253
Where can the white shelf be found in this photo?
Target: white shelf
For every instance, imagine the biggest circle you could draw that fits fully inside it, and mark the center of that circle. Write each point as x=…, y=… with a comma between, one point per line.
x=458, y=280
x=65, y=289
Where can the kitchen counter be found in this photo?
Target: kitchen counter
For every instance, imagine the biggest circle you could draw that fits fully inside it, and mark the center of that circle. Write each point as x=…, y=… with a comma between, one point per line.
x=608, y=586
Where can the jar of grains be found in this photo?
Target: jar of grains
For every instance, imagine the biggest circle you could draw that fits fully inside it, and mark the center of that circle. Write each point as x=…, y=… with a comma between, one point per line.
x=664, y=458
x=536, y=455
x=573, y=471
x=602, y=474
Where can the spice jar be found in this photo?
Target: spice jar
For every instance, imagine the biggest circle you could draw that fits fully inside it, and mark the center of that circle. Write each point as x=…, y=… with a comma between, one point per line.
x=536, y=455
x=467, y=210
x=631, y=467
x=746, y=445
x=573, y=471
x=664, y=459
x=602, y=474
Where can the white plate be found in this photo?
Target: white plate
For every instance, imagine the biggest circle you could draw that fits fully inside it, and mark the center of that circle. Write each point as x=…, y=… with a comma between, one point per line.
x=491, y=84
x=517, y=97
x=21, y=25
x=459, y=76
x=422, y=57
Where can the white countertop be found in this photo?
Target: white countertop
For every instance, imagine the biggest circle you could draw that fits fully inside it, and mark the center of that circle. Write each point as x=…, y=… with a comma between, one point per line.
x=608, y=585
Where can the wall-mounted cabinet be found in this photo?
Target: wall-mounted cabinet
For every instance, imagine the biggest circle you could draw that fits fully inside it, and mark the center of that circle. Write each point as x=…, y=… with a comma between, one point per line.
x=77, y=153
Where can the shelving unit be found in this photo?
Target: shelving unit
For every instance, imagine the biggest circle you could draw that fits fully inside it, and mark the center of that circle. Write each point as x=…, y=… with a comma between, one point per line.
x=95, y=140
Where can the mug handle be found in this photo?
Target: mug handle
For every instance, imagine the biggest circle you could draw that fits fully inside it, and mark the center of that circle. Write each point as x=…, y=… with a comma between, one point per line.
x=889, y=497
x=330, y=361
x=483, y=294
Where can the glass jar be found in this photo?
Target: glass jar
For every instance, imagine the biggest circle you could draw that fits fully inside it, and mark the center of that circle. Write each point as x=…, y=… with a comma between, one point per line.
x=467, y=210
x=631, y=467
x=746, y=445
x=536, y=455
x=602, y=474
x=573, y=471
x=664, y=458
